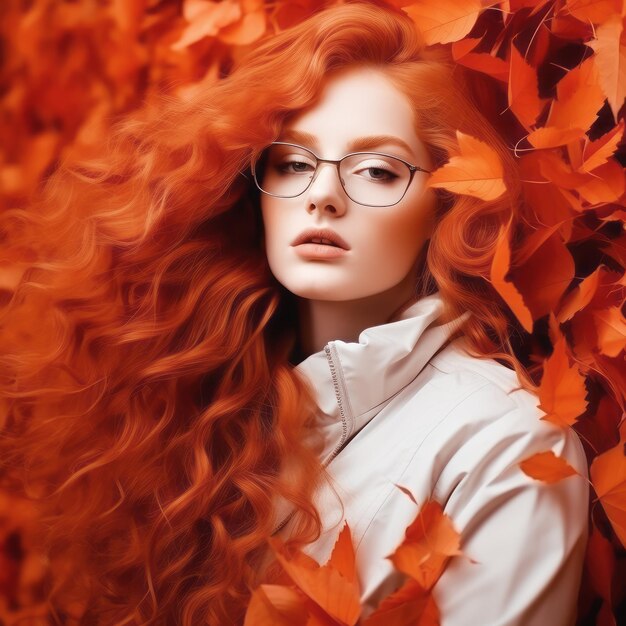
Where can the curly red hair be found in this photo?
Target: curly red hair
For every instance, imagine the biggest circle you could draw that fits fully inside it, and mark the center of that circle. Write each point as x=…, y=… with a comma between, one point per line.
x=149, y=400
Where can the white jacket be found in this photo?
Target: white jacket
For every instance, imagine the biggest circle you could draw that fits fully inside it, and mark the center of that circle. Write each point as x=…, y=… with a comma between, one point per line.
x=405, y=406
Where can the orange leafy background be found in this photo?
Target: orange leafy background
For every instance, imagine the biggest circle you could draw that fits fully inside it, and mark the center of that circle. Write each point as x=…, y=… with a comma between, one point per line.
x=556, y=74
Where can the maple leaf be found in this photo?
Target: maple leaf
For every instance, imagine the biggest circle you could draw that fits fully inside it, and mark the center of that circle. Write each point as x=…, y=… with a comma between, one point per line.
x=499, y=269
x=444, y=21
x=596, y=11
x=611, y=329
x=596, y=153
x=579, y=98
x=333, y=587
x=480, y=61
x=610, y=50
x=475, y=171
x=276, y=605
x=428, y=544
x=580, y=297
x=523, y=90
x=411, y=605
x=562, y=390
x=547, y=467
x=205, y=19
x=608, y=477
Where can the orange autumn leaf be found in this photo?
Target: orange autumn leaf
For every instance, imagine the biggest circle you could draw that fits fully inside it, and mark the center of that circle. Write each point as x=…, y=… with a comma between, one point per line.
x=580, y=297
x=326, y=586
x=444, y=21
x=428, y=544
x=611, y=328
x=608, y=476
x=343, y=558
x=249, y=28
x=523, y=90
x=205, y=19
x=610, y=49
x=596, y=11
x=547, y=467
x=596, y=153
x=562, y=390
x=579, y=98
x=499, y=269
x=480, y=61
x=607, y=183
x=411, y=605
x=544, y=270
x=550, y=137
x=276, y=605
x=475, y=171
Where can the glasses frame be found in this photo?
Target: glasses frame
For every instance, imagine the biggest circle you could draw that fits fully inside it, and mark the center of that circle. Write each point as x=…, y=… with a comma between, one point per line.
x=337, y=163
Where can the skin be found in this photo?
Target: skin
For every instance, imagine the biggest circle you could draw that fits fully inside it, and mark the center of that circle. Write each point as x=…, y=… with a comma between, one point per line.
x=338, y=298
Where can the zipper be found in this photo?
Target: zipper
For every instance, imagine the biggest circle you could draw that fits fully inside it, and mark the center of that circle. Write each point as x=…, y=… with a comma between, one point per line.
x=340, y=393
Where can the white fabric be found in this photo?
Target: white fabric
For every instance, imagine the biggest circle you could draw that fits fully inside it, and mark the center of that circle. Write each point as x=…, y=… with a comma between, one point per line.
x=406, y=406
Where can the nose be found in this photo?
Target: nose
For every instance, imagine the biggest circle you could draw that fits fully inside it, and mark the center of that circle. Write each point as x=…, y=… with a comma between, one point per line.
x=325, y=192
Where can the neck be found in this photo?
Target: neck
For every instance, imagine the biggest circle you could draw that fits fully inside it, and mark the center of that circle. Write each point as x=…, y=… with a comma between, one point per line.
x=322, y=321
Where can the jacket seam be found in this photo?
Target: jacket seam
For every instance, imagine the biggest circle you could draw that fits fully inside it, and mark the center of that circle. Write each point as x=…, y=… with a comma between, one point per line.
x=392, y=488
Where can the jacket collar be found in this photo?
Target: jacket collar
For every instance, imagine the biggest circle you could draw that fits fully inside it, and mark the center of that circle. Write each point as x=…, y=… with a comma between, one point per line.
x=352, y=382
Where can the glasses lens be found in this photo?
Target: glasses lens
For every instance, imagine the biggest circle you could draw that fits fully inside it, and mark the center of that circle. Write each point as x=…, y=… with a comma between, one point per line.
x=374, y=179
x=284, y=170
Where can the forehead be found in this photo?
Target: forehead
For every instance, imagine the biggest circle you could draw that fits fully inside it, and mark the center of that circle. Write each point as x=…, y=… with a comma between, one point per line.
x=356, y=103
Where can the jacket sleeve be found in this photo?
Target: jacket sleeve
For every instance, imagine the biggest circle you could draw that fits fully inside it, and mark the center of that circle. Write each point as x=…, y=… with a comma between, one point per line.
x=523, y=540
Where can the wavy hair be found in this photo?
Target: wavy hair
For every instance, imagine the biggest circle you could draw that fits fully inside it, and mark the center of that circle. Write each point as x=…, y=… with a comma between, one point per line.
x=149, y=402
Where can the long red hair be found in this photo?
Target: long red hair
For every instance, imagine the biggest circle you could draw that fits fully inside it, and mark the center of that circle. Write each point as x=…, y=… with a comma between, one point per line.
x=149, y=403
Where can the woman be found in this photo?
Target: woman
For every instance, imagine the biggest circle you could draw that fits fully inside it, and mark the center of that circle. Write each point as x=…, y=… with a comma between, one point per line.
x=187, y=377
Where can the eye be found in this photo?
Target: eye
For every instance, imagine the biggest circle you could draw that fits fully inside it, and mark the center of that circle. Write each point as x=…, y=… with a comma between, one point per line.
x=294, y=167
x=377, y=171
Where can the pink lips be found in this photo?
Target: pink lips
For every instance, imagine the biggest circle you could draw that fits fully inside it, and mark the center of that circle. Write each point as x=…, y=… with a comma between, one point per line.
x=308, y=249
x=308, y=235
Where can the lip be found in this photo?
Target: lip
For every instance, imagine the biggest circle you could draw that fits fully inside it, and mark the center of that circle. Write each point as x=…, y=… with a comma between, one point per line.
x=319, y=251
x=320, y=233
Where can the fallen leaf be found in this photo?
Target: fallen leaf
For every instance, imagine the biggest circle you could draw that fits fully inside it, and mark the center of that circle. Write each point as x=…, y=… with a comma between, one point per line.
x=547, y=467
x=596, y=153
x=335, y=594
x=579, y=98
x=475, y=171
x=611, y=329
x=276, y=605
x=411, y=605
x=428, y=544
x=500, y=266
x=544, y=270
x=580, y=297
x=608, y=476
x=606, y=184
x=596, y=11
x=206, y=19
x=562, y=390
x=444, y=21
x=523, y=90
x=611, y=61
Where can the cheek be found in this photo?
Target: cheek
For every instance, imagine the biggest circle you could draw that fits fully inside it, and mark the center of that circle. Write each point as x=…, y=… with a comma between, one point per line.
x=397, y=241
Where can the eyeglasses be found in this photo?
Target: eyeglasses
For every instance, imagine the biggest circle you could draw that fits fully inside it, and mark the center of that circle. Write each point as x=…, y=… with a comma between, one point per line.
x=286, y=170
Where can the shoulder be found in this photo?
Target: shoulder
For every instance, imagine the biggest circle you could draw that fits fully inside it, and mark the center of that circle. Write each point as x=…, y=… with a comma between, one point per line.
x=484, y=421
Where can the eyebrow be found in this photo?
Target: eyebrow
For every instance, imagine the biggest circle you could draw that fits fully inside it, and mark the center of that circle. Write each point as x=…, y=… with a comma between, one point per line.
x=356, y=145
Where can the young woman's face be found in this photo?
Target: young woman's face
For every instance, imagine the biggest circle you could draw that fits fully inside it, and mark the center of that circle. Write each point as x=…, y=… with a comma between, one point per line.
x=357, y=108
